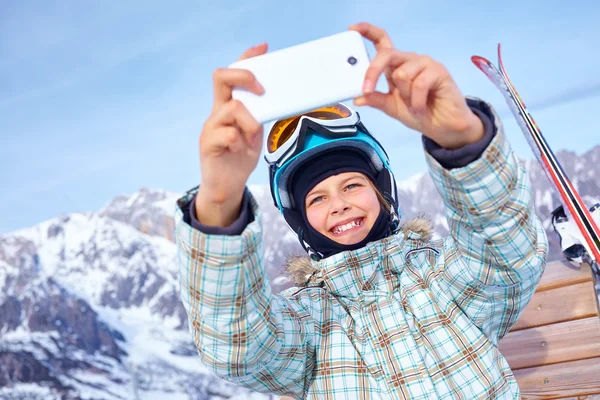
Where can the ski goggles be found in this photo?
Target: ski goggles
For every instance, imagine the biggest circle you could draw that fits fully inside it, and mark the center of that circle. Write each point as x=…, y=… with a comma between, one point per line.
x=286, y=137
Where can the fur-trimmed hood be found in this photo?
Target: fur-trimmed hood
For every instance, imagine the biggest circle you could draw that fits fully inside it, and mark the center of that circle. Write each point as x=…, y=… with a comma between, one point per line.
x=300, y=270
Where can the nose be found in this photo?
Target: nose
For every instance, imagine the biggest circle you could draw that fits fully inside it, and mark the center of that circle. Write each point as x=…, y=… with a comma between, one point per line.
x=339, y=205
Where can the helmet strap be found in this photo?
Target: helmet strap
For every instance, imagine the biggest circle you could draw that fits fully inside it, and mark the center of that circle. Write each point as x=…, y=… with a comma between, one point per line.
x=394, y=220
x=314, y=255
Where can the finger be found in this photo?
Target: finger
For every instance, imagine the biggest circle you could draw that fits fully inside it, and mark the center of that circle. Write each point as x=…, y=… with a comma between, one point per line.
x=384, y=60
x=235, y=113
x=254, y=51
x=378, y=36
x=422, y=86
x=224, y=79
x=230, y=138
x=410, y=69
x=403, y=76
x=378, y=100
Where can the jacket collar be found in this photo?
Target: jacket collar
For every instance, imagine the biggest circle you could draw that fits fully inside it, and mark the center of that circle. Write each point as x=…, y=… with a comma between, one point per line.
x=372, y=268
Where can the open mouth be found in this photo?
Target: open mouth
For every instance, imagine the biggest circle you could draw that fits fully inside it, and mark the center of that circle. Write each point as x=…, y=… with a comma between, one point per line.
x=339, y=229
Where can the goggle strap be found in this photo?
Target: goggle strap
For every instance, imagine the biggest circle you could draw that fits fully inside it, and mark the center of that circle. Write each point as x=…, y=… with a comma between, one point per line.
x=272, y=171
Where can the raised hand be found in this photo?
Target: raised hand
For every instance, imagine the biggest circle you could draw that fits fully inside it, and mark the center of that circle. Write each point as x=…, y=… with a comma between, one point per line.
x=422, y=94
x=230, y=146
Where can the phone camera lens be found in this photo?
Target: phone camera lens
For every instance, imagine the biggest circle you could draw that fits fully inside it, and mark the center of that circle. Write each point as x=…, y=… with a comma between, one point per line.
x=352, y=60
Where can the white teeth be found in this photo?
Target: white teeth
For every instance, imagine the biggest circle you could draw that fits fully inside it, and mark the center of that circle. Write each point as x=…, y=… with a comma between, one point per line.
x=342, y=228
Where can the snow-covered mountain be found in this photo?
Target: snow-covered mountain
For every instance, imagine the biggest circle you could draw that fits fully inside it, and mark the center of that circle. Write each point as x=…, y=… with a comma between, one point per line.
x=89, y=309
x=89, y=304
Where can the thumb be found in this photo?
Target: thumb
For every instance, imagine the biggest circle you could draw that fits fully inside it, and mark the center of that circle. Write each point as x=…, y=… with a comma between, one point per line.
x=254, y=51
x=378, y=100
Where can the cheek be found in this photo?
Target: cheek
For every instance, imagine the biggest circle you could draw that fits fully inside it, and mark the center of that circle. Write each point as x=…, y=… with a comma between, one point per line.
x=371, y=204
x=316, y=218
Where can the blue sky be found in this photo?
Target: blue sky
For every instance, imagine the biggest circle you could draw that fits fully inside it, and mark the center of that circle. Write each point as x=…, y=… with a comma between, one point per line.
x=103, y=98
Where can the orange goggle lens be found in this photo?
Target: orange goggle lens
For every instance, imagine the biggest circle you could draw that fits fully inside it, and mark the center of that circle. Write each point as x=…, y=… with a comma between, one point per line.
x=283, y=130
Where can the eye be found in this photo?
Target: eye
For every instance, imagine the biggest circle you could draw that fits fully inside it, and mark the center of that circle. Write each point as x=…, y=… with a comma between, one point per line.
x=352, y=186
x=315, y=200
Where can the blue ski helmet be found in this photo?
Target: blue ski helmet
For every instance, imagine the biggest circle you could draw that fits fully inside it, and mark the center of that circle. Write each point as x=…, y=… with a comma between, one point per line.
x=292, y=143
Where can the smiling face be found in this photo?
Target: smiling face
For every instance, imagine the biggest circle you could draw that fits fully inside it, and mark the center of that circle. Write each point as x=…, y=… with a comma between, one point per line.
x=343, y=207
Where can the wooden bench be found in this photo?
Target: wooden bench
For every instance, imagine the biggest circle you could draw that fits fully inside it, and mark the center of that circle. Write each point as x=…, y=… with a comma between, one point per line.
x=554, y=348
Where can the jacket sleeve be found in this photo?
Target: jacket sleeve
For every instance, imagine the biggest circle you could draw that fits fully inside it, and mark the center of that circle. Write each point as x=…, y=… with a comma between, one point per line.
x=496, y=251
x=243, y=332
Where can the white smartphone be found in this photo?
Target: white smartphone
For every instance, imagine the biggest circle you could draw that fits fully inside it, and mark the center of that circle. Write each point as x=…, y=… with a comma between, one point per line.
x=306, y=76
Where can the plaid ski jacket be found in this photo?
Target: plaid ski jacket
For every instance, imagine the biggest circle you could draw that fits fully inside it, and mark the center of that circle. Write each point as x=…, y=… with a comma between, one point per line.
x=405, y=317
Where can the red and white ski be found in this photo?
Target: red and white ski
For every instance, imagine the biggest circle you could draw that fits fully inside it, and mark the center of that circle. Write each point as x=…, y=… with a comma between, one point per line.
x=572, y=204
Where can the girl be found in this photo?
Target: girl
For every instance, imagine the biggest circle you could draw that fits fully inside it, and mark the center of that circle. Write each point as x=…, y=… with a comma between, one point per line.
x=380, y=311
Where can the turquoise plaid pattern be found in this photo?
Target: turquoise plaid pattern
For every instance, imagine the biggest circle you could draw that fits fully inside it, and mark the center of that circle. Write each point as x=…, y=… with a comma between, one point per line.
x=401, y=318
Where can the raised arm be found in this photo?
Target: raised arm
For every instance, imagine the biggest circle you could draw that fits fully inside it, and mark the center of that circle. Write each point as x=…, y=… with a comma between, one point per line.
x=243, y=332
x=496, y=252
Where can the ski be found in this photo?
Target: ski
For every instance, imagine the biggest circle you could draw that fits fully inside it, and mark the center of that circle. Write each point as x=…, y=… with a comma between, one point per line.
x=572, y=203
